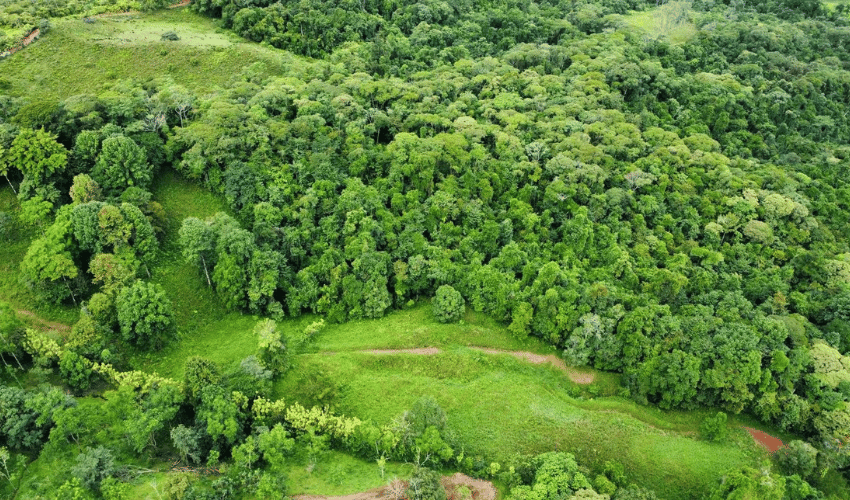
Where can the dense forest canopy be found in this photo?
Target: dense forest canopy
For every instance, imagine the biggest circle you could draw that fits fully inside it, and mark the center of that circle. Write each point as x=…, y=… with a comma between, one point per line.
x=676, y=212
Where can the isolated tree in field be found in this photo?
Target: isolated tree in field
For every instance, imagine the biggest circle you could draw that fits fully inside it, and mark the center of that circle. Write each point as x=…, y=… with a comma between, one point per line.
x=714, y=428
x=36, y=154
x=271, y=346
x=121, y=164
x=144, y=314
x=198, y=243
x=448, y=304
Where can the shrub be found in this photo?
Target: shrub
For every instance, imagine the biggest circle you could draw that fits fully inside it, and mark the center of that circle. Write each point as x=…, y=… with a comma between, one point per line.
x=75, y=370
x=798, y=457
x=93, y=466
x=448, y=305
x=170, y=36
x=714, y=428
x=144, y=313
x=425, y=485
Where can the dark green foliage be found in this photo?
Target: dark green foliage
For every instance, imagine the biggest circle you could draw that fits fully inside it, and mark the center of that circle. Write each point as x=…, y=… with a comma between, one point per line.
x=145, y=316
x=26, y=417
x=169, y=36
x=199, y=373
x=448, y=305
x=93, y=466
x=425, y=485
x=75, y=370
x=713, y=428
x=121, y=164
x=796, y=457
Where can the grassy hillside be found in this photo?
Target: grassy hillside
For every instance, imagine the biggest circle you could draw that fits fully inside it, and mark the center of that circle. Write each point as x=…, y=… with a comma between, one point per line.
x=78, y=58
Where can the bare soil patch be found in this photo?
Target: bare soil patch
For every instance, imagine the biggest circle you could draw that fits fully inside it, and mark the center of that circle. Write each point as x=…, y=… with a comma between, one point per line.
x=771, y=443
x=538, y=359
x=52, y=326
x=480, y=489
x=579, y=377
x=419, y=350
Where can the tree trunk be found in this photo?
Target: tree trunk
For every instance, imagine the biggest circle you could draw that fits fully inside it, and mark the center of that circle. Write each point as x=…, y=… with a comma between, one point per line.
x=10, y=184
x=69, y=289
x=205, y=271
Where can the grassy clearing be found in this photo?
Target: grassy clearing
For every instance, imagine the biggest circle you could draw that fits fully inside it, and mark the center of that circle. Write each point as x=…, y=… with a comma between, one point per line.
x=79, y=58
x=336, y=473
x=416, y=327
x=205, y=326
x=498, y=405
x=669, y=21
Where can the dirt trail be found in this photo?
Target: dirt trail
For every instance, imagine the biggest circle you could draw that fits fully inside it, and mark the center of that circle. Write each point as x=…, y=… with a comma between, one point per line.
x=481, y=490
x=53, y=326
x=575, y=375
x=771, y=443
x=539, y=359
x=425, y=351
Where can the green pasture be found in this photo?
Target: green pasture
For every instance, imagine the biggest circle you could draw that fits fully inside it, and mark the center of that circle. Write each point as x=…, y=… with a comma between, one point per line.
x=498, y=406
x=80, y=58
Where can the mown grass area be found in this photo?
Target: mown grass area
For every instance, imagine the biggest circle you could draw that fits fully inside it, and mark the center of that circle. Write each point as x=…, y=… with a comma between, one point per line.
x=79, y=58
x=12, y=251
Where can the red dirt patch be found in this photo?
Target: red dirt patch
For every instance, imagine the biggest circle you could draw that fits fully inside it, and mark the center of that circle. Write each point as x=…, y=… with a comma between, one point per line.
x=771, y=443
x=480, y=489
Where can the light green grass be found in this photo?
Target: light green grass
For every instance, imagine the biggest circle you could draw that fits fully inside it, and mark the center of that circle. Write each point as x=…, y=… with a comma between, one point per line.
x=79, y=58
x=652, y=22
x=498, y=406
x=337, y=473
x=206, y=328
x=416, y=327
x=148, y=31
